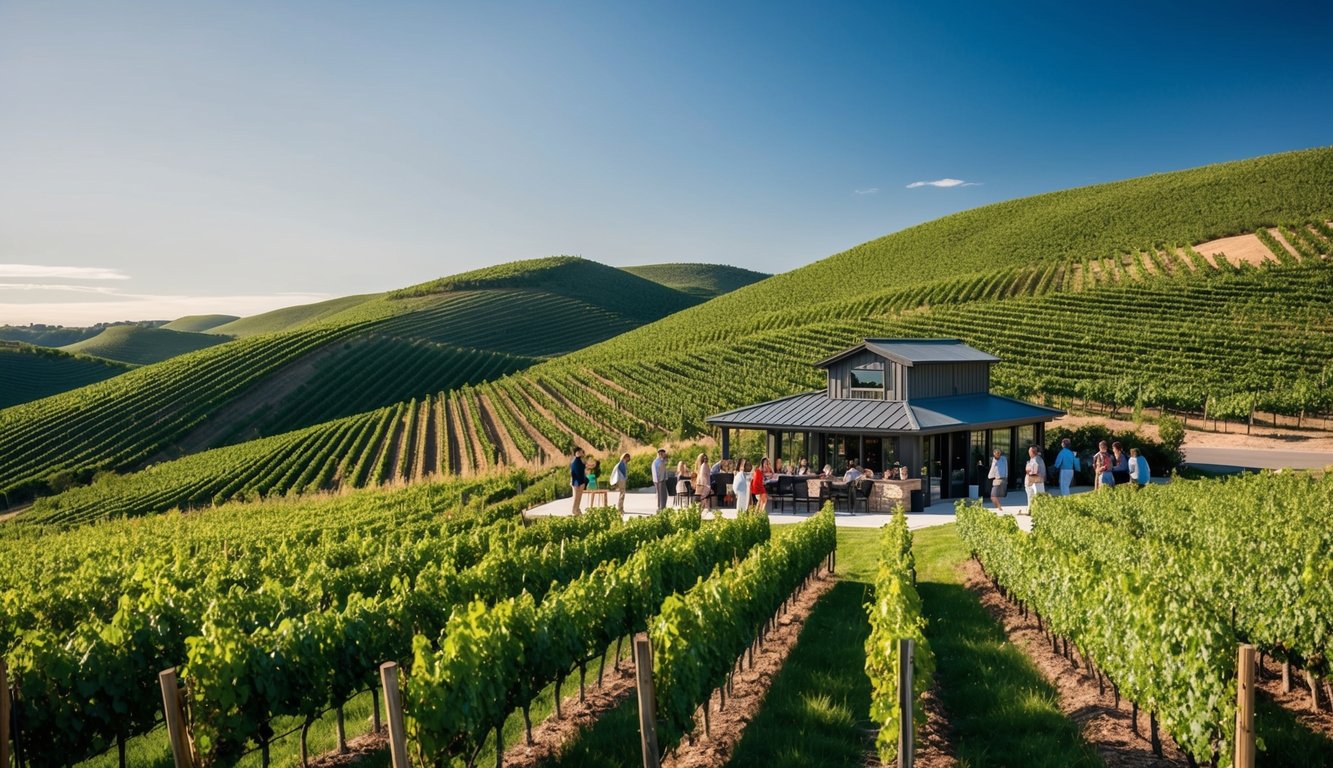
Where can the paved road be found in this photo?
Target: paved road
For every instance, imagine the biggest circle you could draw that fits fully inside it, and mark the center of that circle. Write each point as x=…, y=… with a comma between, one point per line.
x=1257, y=458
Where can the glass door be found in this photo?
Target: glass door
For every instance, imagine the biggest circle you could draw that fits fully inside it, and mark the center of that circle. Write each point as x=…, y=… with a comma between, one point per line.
x=958, y=457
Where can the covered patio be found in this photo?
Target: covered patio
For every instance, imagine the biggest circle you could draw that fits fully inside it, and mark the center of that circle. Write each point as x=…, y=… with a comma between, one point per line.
x=917, y=412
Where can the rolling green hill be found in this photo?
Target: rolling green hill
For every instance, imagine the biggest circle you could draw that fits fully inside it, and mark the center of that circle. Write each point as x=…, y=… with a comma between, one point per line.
x=611, y=289
x=29, y=373
x=58, y=335
x=1070, y=226
x=1145, y=322
x=703, y=280
x=289, y=318
x=199, y=323
x=379, y=349
x=140, y=346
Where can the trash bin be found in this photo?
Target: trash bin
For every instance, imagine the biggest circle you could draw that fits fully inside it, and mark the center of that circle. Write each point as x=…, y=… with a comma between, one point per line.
x=974, y=491
x=918, y=501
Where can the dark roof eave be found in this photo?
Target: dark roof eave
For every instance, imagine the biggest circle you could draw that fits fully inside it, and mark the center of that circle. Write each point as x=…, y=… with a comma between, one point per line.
x=984, y=425
x=1052, y=414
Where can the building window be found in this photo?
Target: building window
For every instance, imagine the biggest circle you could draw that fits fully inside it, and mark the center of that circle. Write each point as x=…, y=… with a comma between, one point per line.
x=866, y=382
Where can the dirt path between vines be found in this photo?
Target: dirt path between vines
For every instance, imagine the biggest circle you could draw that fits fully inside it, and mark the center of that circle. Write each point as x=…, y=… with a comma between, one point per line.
x=1296, y=700
x=727, y=726
x=358, y=749
x=510, y=454
x=547, y=449
x=1108, y=728
x=268, y=391
x=551, y=735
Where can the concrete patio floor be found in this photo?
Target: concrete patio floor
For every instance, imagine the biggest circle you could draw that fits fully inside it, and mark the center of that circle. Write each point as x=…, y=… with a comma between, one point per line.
x=643, y=501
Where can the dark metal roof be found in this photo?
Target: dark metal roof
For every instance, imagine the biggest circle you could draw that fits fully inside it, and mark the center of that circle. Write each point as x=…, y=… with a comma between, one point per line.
x=977, y=412
x=910, y=352
x=816, y=411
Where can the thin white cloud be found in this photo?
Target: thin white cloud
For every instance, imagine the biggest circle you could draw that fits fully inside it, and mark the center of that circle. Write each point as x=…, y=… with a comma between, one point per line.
x=110, y=307
x=866, y=191
x=944, y=183
x=58, y=287
x=32, y=271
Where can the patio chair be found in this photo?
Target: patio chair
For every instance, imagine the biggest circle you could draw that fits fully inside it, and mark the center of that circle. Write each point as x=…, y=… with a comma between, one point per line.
x=860, y=492
x=686, y=498
x=722, y=488
x=800, y=494
x=785, y=489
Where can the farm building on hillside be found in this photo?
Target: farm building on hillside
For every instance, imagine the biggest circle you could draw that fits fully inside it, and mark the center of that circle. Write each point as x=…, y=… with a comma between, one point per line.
x=910, y=402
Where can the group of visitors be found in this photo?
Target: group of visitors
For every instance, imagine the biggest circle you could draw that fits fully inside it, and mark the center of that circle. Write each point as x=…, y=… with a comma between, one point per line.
x=583, y=475
x=1114, y=467
x=1109, y=468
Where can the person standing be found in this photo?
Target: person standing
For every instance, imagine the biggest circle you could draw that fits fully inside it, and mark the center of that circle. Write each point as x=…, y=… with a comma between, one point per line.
x=999, y=477
x=703, y=482
x=1101, y=467
x=741, y=485
x=1138, y=468
x=1064, y=464
x=620, y=480
x=1119, y=464
x=1034, y=480
x=758, y=490
x=682, y=481
x=659, y=478
x=578, y=478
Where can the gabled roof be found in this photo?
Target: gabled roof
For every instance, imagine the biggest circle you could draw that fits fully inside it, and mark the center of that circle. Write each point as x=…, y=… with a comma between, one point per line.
x=910, y=352
x=816, y=411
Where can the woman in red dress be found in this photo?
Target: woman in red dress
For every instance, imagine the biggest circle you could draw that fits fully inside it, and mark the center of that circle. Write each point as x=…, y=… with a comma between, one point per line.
x=758, y=491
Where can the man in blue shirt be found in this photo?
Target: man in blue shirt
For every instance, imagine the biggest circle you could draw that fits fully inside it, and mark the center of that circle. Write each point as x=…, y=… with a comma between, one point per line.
x=1064, y=464
x=578, y=478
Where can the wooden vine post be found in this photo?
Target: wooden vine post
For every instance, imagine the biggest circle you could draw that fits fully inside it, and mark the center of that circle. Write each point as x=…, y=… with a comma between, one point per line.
x=1244, y=757
x=393, y=705
x=906, y=657
x=173, y=712
x=643, y=672
x=4, y=715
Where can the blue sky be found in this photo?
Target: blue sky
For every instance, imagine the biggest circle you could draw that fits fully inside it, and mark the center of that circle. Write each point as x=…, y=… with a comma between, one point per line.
x=160, y=159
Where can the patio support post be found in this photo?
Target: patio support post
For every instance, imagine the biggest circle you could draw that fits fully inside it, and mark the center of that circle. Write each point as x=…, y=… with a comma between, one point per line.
x=726, y=443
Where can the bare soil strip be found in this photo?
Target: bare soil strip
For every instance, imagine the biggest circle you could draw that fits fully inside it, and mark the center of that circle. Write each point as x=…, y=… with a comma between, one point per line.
x=550, y=736
x=727, y=725
x=1108, y=728
x=270, y=390
x=1296, y=700
x=934, y=747
x=511, y=455
x=548, y=449
x=358, y=749
x=1237, y=249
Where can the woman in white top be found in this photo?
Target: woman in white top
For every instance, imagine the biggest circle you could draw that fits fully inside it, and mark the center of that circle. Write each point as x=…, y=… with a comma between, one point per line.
x=741, y=485
x=999, y=477
x=682, y=479
x=703, y=482
x=1034, y=480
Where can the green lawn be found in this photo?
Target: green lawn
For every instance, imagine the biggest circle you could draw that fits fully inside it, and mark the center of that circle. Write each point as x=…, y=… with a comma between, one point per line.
x=1002, y=711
